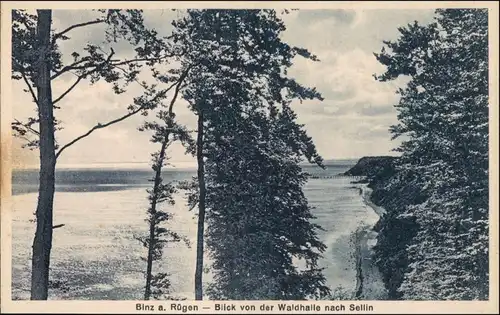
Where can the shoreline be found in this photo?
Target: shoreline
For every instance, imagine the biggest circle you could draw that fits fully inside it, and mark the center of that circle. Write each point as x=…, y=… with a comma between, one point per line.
x=369, y=283
x=366, y=193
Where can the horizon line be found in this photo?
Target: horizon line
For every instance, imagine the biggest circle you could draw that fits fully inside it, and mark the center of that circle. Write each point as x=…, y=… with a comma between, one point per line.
x=178, y=164
x=183, y=162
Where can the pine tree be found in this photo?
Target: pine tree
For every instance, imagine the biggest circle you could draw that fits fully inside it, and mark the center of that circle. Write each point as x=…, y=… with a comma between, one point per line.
x=444, y=113
x=158, y=285
x=240, y=92
x=166, y=131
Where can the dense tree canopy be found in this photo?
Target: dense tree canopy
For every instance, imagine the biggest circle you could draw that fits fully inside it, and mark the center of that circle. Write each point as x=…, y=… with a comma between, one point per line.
x=443, y=113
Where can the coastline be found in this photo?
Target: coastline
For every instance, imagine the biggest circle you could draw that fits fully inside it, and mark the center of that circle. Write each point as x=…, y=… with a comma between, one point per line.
x=366, y=193
x=369, y=283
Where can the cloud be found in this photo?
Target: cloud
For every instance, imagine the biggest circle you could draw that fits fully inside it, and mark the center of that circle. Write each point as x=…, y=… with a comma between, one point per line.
x=321, y=20
x=345, y=81
x=357, y=110
x=340, y=16
x=351, y=136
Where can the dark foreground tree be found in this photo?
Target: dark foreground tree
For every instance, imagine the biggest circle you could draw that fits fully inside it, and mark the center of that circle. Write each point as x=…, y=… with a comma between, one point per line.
x=37, y=60
x=249, y=146
x=443, y=112
x=42, y=242
x=259, y=233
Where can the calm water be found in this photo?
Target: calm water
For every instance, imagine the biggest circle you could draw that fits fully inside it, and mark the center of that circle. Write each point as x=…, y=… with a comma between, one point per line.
x=95, y=255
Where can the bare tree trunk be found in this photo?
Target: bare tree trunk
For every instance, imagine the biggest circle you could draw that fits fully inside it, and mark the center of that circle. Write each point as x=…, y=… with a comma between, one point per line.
x=152, y=224
x=147, y=291
x=42, y=243
x=198, y=288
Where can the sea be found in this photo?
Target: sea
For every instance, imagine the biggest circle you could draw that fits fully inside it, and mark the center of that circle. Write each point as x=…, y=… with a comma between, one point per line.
x=96, y=254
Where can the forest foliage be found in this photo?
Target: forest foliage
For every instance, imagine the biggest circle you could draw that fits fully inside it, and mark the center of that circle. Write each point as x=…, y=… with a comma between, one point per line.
x=433, y=243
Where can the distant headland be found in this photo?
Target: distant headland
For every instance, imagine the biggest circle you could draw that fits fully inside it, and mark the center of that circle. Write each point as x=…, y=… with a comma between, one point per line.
x=371, y=166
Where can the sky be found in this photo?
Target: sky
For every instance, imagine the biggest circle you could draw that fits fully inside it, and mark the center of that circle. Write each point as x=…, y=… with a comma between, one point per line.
x=352, y=121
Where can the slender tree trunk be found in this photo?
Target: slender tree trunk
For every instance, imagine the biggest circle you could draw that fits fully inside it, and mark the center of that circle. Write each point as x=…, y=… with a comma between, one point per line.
x=42, y=243
x=152, y=224
x=198, y=288
x=147, y=291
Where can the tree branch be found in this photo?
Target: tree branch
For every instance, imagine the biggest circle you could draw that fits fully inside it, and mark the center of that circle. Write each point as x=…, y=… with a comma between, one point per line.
x=28, y=140
x=142, y=85
x=100, y=126
x=112, y=63
x=124, y=62
x=137, y=81
x=73, y=67
x=193, y=206
x=178, y=87
x=68, y=90
x=60, y=34
x=96, y=127
x=67, y=68
x=28, y=127
x=176, y=91
x=30, y=88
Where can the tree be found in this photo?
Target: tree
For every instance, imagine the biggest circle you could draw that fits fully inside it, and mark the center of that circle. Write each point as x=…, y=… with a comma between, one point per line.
x=43, y=237
x=259, y=218
x=238, y=79
x=443, y=112
x=36, y=59
x=165, y=132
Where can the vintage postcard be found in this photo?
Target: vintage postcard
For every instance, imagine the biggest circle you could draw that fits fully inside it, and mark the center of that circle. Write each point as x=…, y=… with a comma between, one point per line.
x=249, y=157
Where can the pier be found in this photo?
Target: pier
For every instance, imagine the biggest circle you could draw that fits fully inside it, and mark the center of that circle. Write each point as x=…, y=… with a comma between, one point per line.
x=354, y=178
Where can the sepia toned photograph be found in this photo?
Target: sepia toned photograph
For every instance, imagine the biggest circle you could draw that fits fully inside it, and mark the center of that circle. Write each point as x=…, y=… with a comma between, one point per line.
x=248, y=154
